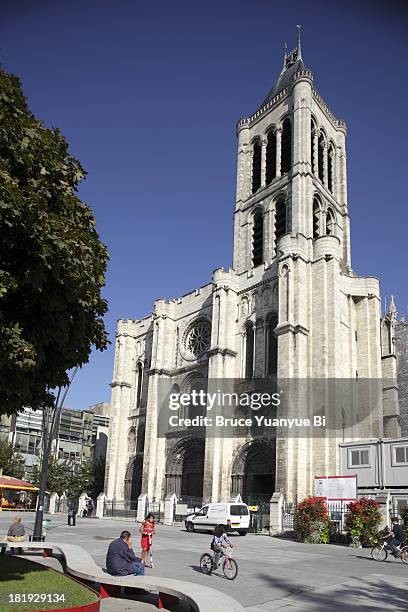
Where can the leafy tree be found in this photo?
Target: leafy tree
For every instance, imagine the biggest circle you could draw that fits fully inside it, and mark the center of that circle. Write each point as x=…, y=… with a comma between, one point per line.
x=82, y=479
x=52, y=263
x=71, y=478
x=57, y=477
x=11, y=462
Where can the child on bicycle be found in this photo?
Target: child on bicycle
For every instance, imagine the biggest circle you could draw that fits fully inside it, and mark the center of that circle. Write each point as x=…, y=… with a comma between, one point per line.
x=219, y=542
x=147, y=529
x=395, y=537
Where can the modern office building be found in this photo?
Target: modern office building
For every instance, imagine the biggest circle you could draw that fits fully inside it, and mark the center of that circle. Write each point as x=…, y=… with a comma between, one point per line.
x=81, y=435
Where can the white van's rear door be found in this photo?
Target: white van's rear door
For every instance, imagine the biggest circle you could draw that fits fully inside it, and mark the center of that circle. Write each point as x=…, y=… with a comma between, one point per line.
x=239, y=516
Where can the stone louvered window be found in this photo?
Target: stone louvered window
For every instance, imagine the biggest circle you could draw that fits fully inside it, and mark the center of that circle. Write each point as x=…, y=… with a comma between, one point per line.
x=280, y=219
x=330, y=168
x=256, y=166
x=286, y=151
x=330, y=222
x=316, y=218
x=257, y=239
x=270, y=158
x=320, y=157
x=312, y=145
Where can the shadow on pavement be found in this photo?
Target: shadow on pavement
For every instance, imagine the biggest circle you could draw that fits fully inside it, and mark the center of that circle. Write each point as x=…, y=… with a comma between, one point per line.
x=368, y=594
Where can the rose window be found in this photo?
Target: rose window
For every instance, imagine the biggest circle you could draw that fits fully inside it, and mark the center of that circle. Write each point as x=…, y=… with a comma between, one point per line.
x=199, y=339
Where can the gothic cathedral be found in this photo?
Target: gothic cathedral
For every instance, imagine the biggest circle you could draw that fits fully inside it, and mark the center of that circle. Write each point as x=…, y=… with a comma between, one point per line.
x=291, y=307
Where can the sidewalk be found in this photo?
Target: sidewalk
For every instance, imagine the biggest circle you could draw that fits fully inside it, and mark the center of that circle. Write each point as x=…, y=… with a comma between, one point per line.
x=373, y=592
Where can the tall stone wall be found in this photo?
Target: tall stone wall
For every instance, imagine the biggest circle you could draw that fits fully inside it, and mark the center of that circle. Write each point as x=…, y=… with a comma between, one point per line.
x=401, y=340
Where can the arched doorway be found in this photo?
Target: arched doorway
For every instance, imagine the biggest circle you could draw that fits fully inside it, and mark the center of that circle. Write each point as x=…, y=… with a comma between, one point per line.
x=185, y=468
x=253, y=470
x=133, y=481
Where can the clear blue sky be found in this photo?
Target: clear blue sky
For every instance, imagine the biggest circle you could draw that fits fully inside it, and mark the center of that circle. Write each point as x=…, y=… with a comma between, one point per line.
x=148, y=95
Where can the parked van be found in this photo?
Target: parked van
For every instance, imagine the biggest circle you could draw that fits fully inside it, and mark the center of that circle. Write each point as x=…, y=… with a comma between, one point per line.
x=234, y=517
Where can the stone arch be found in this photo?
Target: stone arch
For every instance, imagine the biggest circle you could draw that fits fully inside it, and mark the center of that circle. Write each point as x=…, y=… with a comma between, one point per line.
x=253, y=470
x=185, y=467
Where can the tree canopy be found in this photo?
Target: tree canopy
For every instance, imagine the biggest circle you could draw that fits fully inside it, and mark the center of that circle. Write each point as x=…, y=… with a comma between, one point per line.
x=73, y=479
x=52, y=263
x=11, y=463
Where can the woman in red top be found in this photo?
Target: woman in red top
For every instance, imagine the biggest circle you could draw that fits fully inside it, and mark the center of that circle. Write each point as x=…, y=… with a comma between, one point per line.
x=147, y=530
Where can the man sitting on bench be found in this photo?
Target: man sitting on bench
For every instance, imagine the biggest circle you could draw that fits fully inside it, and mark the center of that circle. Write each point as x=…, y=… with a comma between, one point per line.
x=120, y=558
x=16, y=533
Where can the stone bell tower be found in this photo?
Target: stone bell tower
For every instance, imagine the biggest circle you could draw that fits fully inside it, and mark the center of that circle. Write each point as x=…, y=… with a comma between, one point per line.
x=292, y=226
x=291, y=307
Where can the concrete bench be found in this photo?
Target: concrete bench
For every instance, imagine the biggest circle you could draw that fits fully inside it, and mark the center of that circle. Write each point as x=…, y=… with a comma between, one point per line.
x=79, y=563
x=25, y=545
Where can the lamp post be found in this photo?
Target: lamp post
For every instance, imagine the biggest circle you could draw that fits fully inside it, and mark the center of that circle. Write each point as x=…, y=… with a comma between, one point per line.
x=51, y=416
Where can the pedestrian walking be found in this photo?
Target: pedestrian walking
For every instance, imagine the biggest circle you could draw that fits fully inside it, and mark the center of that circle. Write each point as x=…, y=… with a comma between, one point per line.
x=72, y=512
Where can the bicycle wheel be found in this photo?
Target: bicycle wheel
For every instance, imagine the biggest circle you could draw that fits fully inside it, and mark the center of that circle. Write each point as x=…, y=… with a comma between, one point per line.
x=206, y=563
x=379, y=553
x=230, y=568
x=404, y=554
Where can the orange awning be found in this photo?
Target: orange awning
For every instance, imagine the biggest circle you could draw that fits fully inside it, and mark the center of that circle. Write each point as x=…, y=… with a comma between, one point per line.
x=8, y=482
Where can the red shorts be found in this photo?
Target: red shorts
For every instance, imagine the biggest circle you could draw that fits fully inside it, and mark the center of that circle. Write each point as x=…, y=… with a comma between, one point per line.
x=145, y=542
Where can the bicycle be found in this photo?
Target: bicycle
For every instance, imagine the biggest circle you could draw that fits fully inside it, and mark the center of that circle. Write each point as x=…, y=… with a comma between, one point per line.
x=229, y=565
x=380, y=552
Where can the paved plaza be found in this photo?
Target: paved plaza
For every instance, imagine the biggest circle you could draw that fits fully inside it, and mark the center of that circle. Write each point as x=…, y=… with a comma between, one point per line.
x=274, y=573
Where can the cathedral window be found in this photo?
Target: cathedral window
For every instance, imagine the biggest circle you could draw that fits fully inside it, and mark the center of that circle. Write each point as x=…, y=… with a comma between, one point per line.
x=320, y=157
x=270, y=158
x=286, y=151
x=139, y=370
x=280, y=219
x=257, y=239
x=316, y=218
x=330, y=222
x=256, y=166
x=249, y=351
x=199, y=338
x=271, y=348
x=330, y=160
x=312, y=146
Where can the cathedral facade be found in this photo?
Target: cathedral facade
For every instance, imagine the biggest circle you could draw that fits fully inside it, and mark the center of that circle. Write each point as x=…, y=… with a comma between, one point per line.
x=290, y=307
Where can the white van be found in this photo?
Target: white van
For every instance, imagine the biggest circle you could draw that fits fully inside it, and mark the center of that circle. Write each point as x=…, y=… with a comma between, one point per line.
x=234, y=516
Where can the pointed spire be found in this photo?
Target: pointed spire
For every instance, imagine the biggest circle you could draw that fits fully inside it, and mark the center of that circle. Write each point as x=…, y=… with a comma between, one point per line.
x=392, y=308
x=285, y=54
x=299, y=43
